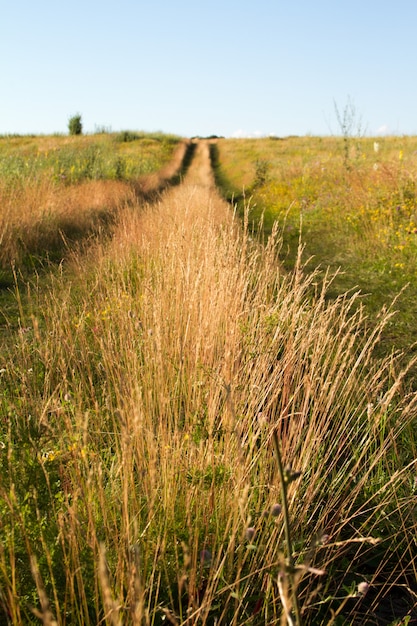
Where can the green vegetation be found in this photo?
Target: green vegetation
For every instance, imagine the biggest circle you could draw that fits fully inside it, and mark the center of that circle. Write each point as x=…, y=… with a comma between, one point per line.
x=75, y=126
x=55, y=190
x=190, y=434
x=361, y=219
x=71, y=160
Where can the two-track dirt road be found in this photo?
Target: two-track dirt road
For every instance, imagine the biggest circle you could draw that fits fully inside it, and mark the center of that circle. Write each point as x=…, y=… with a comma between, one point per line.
x=200, y=172
x=196, y=199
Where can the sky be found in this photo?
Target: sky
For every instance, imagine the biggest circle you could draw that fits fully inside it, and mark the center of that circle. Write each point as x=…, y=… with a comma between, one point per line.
x=223, y=67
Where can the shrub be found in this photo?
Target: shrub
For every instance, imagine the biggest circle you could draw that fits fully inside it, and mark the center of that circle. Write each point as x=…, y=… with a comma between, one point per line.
x=125, y=136
x=75, y=126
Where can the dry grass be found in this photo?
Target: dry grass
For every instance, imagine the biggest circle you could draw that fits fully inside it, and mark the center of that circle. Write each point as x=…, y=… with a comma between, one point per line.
x=138, y=410
x=41, y=216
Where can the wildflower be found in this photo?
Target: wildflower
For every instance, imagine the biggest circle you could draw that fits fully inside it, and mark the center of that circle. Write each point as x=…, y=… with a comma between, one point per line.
x=276, y=510
x=205, y=558
x=376, y=146
x=363, y=588
x=250, y=533
x=49, y=455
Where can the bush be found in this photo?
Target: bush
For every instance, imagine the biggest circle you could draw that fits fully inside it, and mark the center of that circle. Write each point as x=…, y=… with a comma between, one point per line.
x=75, y=126
x=125, y=136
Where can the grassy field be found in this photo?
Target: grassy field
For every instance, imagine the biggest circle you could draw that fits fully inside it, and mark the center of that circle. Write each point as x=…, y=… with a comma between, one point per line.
x=55, y=189
x=351, y=202
x=71, y=159
x=191, y=434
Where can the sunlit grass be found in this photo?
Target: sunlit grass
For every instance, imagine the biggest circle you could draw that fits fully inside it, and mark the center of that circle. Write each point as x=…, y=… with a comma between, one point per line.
x=72, y=159
x=139, y=399
x=361, y=218
x=56, y=189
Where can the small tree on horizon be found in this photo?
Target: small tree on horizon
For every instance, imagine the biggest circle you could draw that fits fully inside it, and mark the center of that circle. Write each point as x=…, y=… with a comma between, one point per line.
x=75, y=126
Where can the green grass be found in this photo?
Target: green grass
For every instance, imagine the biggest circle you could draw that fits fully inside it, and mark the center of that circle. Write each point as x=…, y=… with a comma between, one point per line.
x=360, y=221
x=56, y=191
x=69, y=160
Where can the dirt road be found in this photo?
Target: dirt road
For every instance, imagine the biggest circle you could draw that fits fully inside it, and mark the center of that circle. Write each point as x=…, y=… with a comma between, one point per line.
x=200, y=172
x=197, y=198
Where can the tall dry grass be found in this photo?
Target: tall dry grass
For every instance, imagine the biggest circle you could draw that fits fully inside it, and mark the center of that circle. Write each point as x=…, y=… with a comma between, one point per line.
x=139, y=404
x=39, y=218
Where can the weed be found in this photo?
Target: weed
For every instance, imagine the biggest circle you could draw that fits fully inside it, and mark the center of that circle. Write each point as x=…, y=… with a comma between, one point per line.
x=350, y=125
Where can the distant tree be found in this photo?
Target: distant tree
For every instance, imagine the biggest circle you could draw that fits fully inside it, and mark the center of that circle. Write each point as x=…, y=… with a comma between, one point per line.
x=75, y=126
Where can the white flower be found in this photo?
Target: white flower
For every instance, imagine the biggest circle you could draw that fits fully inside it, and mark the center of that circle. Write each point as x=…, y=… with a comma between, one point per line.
x=363, y=588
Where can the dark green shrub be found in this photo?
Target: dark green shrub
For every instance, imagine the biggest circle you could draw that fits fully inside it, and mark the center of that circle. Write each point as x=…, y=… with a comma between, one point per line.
x=75, y=126
x=126, y=136
x=262, y=167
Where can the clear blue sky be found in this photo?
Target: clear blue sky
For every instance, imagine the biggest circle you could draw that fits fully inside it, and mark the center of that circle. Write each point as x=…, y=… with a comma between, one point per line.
x=224, y=67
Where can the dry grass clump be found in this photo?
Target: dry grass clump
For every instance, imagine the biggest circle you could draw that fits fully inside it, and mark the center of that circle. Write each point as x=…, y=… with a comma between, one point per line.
x=138, y=479
x=39, y=218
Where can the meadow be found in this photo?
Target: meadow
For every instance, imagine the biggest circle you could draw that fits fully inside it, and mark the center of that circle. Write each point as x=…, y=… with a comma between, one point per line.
x=350, y=201
x=54, y=188
x=195, y=428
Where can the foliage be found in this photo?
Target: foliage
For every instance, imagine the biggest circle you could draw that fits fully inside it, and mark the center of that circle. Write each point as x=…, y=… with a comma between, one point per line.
x=75, y=126
x=126, y=136
x=262, y=168
x=361, y=221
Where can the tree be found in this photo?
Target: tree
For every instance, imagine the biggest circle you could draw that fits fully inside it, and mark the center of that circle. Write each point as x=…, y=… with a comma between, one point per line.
x=75, y=126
